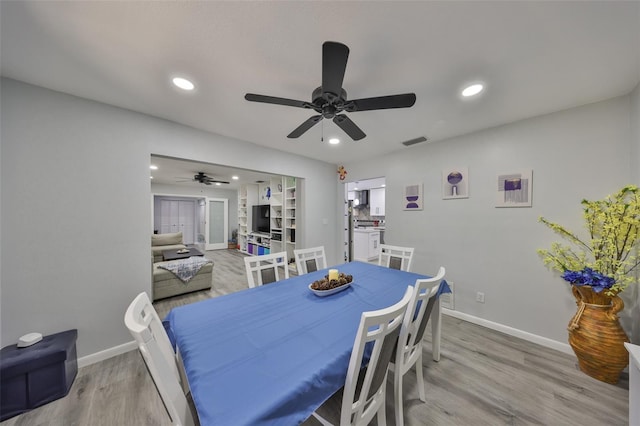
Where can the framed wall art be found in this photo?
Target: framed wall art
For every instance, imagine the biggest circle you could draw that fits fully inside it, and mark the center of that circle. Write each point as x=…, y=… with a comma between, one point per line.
x=413, y=198
x=514, y=189
x=455, y=183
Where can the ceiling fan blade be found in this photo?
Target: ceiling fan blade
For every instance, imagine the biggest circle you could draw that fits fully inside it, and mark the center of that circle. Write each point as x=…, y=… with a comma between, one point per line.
x=278, y=101
x=312, y=121
x=334, y=64
x=219, y=181
x=405, y=100
x=349, y=127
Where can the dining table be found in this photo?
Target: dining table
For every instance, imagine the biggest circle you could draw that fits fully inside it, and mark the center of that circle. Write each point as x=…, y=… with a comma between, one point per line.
x=271, y=355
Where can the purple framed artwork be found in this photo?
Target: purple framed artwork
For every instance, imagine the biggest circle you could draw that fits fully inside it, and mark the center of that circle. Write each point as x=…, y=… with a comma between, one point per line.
x=515, y=189
x=455, y=183
x=412, y=197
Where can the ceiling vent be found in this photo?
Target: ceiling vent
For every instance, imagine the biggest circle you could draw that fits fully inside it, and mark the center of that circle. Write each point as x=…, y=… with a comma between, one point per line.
x=414, y=141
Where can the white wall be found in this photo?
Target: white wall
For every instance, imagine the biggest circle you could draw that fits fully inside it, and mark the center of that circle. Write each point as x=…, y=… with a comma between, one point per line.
x=196, y=191
x=575, y=154
x=76, y=210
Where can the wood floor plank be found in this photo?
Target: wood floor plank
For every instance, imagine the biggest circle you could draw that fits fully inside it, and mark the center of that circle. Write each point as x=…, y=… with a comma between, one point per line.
x=483, y=378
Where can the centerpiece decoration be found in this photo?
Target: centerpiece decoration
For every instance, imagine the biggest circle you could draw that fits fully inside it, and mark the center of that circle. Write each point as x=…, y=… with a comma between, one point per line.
x=598, y=269
x=331, y=283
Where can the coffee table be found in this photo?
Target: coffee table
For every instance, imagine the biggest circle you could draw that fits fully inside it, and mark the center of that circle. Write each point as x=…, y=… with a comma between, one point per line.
x=174, y=255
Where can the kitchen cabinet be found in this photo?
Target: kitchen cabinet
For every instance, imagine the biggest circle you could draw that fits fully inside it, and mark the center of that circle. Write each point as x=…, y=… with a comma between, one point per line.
x=366, y=244
x=376, y=202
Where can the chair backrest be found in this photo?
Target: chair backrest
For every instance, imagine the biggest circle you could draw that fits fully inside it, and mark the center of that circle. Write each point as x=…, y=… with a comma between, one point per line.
x=146, y=328
x=417, y=317
x=395, y=257
x=310, y=259
x=266, y=268
x=378, y=336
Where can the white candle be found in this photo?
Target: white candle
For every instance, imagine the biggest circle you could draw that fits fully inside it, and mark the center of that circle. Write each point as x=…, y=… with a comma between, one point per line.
x=333, y=274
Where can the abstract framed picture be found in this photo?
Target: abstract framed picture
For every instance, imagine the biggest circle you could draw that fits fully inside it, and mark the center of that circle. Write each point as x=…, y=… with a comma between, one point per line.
x=455, y=183
x=514, y=189
x=412, y=197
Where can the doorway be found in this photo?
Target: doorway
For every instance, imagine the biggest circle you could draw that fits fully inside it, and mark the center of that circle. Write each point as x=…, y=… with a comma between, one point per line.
x=217, y=225
x=364, y=211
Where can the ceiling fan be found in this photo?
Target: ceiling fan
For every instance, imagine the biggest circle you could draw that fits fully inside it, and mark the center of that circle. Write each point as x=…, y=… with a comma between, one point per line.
x=201, y=177
x=330, y=99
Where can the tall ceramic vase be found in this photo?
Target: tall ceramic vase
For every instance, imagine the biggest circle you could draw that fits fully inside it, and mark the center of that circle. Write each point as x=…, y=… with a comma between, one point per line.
x=596, y=336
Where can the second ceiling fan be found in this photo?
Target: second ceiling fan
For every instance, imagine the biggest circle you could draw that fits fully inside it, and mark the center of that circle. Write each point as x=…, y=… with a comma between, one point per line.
x=330, y=99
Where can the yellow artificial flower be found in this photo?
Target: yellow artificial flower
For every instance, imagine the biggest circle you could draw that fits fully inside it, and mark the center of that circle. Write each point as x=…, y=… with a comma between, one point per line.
x=613, y=225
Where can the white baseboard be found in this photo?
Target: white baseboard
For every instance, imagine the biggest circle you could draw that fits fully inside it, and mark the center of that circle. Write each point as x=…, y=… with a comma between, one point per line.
x=106, y=354
x=533, y=338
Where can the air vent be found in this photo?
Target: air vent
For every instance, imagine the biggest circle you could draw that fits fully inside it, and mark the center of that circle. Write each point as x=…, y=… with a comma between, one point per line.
x=414, y=141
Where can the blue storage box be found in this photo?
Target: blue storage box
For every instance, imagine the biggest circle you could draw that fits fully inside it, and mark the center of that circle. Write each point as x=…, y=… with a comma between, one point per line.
x=37, y=374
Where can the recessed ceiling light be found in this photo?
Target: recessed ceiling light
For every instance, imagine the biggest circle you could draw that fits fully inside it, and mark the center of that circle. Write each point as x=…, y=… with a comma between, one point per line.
x=235, y=177
x=472, y=90
x=152, y=167
x=383, y=185
x=151, y=177
x=355, y=189
x=183, y=83
x=334, y=141
x=218, y=184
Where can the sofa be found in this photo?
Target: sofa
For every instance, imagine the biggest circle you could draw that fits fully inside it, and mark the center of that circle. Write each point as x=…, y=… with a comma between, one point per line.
x=161, y=242
x=165, y=283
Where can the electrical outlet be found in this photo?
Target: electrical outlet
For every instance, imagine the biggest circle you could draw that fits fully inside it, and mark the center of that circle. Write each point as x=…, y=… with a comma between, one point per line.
x=480, y=297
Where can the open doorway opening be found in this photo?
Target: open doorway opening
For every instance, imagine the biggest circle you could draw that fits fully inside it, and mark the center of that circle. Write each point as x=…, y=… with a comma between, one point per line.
x=365, y=218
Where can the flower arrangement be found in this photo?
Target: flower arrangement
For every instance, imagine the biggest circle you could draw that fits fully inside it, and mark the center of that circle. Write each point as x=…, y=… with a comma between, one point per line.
x=605, y=261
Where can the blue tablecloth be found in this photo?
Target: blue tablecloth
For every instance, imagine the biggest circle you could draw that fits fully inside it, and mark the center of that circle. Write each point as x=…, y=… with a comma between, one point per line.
x=271, y=355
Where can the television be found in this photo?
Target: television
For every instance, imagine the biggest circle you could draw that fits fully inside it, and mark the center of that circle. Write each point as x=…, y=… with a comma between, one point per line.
x=260, y=219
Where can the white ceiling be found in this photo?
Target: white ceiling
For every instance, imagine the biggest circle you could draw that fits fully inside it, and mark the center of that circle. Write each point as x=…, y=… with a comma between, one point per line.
x=534, y=57
x=172, y=171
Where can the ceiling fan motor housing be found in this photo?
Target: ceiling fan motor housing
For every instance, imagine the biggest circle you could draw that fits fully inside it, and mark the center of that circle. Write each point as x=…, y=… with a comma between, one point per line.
x=328, y=104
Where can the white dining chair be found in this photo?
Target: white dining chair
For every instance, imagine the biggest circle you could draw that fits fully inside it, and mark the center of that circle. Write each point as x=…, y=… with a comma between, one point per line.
x=395, y=257
x=364, y=392
x=310, y=259
x=266, y=268
x=146, y=328
x=409, y=350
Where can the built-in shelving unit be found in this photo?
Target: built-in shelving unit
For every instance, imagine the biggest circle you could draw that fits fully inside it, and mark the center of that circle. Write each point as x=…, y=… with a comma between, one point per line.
x=290, y=217
x=247, y=196
x=277, y=214
x=282, y=193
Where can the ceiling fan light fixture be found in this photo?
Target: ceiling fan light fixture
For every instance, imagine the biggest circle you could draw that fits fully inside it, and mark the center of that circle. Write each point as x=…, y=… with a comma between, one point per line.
x=183, y=83
x=472, y=90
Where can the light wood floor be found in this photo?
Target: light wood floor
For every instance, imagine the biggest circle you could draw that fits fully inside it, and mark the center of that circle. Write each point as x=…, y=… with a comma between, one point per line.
x=483, y=378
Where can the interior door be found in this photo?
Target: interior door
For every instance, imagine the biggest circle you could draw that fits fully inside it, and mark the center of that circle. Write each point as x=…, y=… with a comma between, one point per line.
x=178, y=216
x=217, y=223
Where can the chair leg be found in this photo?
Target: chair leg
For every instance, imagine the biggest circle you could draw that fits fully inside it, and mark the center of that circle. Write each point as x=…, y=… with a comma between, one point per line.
x=420, y=378
x=321, y=419
x=397, y=394
x=382, y=411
